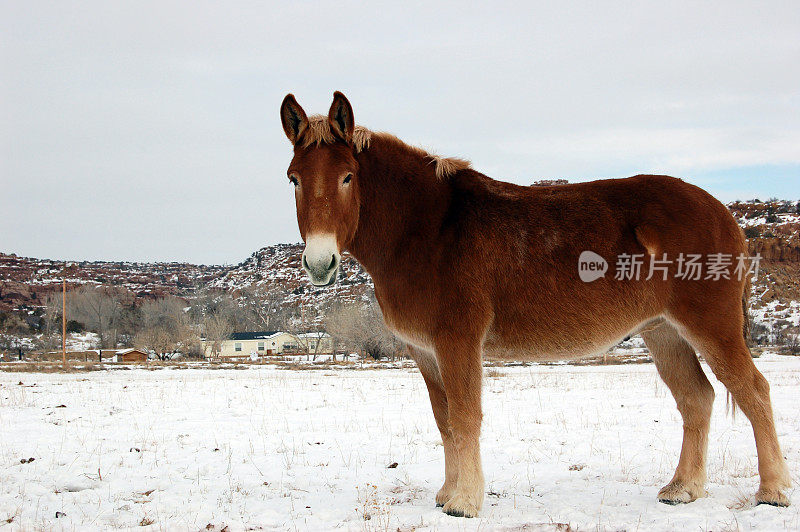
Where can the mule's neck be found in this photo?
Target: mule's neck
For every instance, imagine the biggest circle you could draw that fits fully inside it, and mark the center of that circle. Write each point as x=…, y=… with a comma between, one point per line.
x=403, y=204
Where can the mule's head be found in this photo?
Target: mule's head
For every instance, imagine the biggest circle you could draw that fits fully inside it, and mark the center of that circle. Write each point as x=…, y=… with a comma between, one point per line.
x=324, y=172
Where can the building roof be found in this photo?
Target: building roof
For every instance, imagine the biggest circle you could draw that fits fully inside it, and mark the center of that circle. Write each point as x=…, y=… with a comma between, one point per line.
x=261, y=335
x=132, y=350
x=318, y=334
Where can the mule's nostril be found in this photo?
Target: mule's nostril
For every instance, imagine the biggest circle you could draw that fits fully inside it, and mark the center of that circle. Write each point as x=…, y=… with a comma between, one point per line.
x=305, y=263
x=333, y=263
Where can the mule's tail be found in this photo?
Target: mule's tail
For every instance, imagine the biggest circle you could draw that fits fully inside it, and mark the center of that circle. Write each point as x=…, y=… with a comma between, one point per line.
x=745, y=312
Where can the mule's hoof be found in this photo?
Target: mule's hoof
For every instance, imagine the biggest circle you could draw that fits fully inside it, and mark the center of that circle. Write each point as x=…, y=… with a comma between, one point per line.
x=444, y=495
x=678, y=493
x=773, y=497
x=460, y=505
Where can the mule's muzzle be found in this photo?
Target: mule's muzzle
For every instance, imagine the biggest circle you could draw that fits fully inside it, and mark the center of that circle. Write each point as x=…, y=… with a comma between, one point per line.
x=322, y=274
x=321, y=261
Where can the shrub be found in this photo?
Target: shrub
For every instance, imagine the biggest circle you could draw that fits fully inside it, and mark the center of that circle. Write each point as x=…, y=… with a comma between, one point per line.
x=74, y=326
x=759, y=334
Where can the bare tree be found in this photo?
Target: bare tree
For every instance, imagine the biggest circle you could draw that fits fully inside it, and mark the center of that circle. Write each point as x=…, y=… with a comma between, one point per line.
x=100, y=309
x=167, y=312
x=254, y=308
x=12, y=329
x=361, y=326
x=212, y=302
x=341, y=322
x=50, y=323
x=12, y=323
x=216, y=329
x=312, y=342
x=165, y=327
x=156, y=339
x=263, y=307
x=792, y=340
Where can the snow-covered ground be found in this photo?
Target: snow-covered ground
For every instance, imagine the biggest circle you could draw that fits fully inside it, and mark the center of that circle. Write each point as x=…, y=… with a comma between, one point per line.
x=264, y=448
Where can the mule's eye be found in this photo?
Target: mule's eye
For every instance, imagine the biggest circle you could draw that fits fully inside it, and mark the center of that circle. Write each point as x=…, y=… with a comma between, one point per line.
x=293, y=180
x=347, y=179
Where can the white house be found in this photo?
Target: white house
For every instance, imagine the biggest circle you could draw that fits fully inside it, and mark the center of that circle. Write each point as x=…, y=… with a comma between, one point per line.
x=260, y=343
x=265, y=343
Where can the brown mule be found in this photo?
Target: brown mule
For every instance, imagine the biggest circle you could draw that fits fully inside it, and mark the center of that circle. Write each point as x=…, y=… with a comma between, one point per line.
x=465, y=265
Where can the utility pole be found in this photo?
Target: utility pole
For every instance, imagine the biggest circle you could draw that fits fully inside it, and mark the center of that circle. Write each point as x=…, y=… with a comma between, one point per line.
x=64, y=320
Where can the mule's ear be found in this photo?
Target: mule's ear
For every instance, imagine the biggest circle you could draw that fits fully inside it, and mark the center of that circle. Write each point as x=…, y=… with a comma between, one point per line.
x=293, y=118
x=341, y=117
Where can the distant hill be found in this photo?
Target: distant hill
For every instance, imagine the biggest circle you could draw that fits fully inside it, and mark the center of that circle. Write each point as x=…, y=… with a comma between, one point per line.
x=25, y=281
x=773, y=231
x=280, y=265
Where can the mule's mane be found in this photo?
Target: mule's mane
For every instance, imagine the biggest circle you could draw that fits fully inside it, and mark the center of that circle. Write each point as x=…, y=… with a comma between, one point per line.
x=319, y=132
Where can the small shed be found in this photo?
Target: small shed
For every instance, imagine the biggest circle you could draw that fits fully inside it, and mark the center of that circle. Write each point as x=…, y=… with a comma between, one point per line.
x=130, y=355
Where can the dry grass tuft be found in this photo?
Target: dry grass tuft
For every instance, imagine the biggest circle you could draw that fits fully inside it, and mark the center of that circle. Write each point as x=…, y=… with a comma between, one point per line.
x=50, y=367
x=741, y=500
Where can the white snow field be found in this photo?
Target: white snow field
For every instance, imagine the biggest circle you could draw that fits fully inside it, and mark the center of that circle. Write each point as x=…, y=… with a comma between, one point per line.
x=265, y=448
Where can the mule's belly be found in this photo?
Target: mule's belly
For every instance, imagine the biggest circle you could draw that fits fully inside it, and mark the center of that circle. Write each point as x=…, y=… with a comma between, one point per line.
x=564, y=340
x=549, y=349
x=533, y=346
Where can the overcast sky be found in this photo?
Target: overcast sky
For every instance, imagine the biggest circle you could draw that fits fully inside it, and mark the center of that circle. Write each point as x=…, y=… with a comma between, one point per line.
x=150, y=130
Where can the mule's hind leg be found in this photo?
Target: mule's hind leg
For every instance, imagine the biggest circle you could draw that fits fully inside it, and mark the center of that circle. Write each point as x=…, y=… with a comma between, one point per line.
x=678, y=367
x=724, y=348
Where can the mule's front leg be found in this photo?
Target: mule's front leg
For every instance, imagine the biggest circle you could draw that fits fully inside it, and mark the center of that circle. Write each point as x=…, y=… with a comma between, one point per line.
x=433, y=380
x=460, y=368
